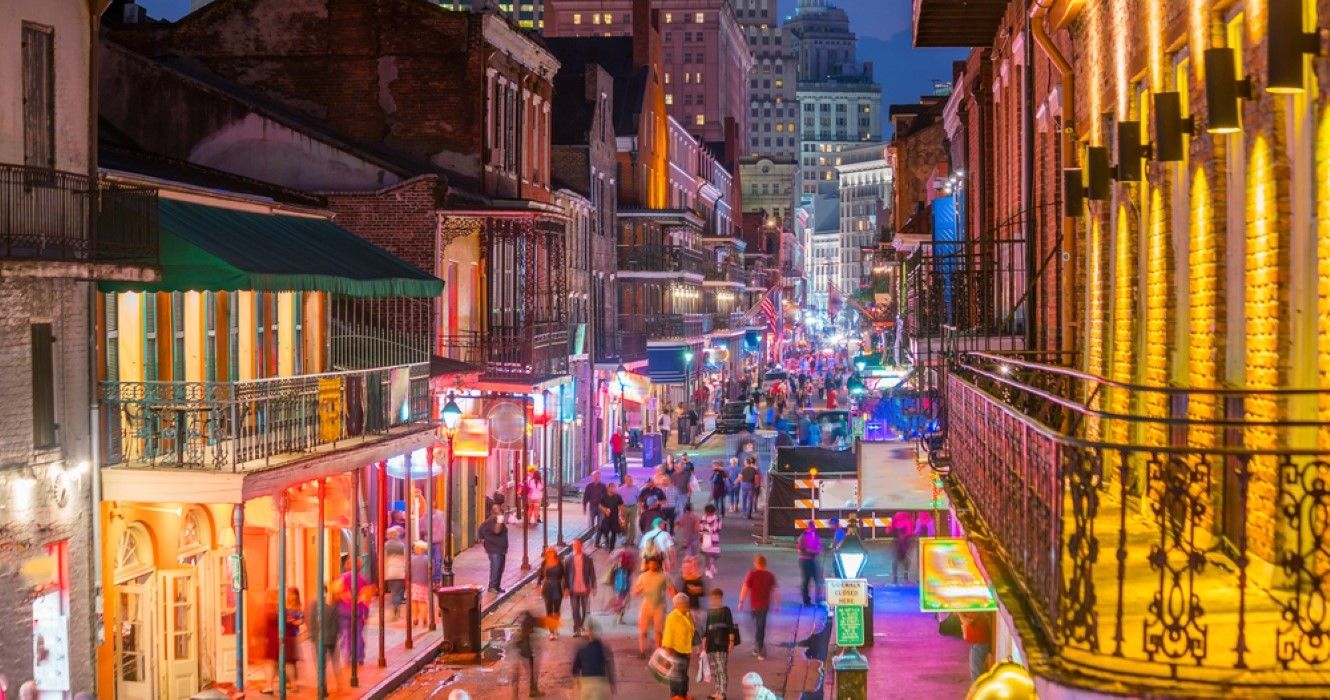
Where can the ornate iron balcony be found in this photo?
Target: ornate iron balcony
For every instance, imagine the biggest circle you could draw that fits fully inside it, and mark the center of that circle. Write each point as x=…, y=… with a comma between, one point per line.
x=245, y=425
x=59, y=216
x=1160, y=541
x=659, y=258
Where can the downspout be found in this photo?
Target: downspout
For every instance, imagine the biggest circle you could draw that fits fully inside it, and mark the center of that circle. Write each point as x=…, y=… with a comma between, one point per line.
x=95, y=10
x=1038, y=15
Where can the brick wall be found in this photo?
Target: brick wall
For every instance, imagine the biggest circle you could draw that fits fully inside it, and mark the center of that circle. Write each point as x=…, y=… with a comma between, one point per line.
x=59, y=508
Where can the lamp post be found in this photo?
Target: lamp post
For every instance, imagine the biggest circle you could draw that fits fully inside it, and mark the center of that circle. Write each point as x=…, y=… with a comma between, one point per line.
x=621, y=373
x=850, y=666
x=856, y=387
x=687, y=381
x=452, y=416
x=545, y=471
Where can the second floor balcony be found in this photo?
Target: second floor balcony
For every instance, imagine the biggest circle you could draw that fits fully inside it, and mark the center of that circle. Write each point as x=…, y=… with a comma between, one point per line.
x=517, y=353
x=660, y=258
x=627, y=342
x=1159, y=541
x=55, y=216
x=728, y=271
x=670, y=326
x=244, y=425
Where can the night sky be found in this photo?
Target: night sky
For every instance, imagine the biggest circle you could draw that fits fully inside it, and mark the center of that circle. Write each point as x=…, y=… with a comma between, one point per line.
x=883, y=27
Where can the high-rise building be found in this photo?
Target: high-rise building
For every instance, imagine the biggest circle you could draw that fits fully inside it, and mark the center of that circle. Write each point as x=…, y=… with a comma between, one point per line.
x=821, y=40
x=838, y=114
x=773, y=110
x=705, y=60
x=528, y=14
x=865, y=180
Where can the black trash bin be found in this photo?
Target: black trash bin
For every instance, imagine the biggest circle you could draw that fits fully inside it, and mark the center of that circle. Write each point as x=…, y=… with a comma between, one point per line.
x=868, y=618
x=459, y=611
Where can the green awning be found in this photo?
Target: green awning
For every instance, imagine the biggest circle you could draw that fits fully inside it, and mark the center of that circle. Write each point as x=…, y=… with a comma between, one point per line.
x=216, y=249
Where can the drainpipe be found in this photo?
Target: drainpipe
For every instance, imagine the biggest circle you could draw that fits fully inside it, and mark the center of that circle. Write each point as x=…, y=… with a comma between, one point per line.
x=1038, y=15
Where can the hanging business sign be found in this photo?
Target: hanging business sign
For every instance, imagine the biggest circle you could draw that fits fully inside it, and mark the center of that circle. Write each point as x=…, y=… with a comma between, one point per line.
x=472, y=439
x=950, y=580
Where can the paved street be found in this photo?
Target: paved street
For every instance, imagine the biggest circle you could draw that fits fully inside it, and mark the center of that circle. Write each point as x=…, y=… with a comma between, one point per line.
x=910, y=659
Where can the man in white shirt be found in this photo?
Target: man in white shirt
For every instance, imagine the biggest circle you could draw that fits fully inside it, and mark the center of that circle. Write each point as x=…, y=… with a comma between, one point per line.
x=663, y=424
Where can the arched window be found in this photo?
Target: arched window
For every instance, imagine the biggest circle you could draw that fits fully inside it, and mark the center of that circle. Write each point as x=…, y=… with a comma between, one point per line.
x=134, y=559
x=195, y=537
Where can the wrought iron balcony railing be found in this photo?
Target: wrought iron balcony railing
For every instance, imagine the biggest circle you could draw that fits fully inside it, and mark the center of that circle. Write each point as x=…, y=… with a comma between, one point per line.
x=727, y=320
x=669, y=326
x=722, y=272
x=59, y=216
x=626, y=343
x=659, y=258
x=242, y=425
x=1164, y=541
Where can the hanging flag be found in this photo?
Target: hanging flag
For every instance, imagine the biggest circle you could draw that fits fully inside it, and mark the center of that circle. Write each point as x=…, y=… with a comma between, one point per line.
x=768, y=306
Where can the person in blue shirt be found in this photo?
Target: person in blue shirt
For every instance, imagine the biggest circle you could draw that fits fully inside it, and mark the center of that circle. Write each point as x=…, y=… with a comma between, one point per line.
x=593, y=668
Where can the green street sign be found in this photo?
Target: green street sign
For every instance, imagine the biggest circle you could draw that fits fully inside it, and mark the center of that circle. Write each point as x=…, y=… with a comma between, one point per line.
x=849, y=626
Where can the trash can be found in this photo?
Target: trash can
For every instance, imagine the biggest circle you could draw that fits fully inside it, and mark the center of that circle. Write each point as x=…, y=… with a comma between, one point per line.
x=651, y=450
x=459, y=611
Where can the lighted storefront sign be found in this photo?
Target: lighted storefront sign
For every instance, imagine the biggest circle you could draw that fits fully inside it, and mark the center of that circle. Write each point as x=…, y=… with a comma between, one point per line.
x=949, y=578
x=420, y=467
x=473, y=438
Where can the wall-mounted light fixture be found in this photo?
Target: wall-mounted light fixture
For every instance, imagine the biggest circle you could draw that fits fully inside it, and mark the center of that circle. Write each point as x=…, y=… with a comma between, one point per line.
x=1074, y=188
x=1073, y=193
x=1130, y=152
x=1097, y=171
x=1286, y=45
x=1222, y=90
x=1170, y=125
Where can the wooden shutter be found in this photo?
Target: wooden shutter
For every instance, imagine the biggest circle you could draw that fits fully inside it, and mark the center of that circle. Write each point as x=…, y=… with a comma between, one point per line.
x=38, y=96
x=43, y=386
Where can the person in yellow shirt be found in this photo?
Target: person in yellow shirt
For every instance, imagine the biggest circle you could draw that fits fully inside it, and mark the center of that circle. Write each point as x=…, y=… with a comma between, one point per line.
x=678, y=638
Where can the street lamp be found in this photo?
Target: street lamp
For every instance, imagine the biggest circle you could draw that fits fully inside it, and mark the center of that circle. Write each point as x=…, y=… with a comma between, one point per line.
x=687, y=381
x=545, y=470
x=452, y=416
x=621, y=373
x=852, y=557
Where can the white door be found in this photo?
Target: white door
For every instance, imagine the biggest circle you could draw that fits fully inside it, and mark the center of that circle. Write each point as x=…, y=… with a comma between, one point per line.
x=134, y=658
x=179, y=650
x=224, y=612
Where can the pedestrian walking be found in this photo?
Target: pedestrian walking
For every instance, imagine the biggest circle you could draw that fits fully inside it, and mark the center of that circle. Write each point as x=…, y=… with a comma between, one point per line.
x=295, y=621
x=977, y=631
x=618, y=455
x=420, y=586
x=651, y=586
x=651, y=501
x=535, y=495
x=692, y=584
x=720, y=485
x=551, y=580
x=328, y=625
x=663, y=424
x=694, y=425
x=621, y=581
x=674, y=499
x=593, y=668
x=809, y=547
x=686, y=531
x=610, y=507
x=591, y=497
x=657, y=545
x=902, y=528
x=493, y=536
x=748, y=477
x=629, y=493
x=394, y=570
x=720, y=636
x=525, y=644
x=678, y=639
x=436, y=542
x=580, y=582
x=708, y=529
x=759, y=591
x=353, y=614
x=732, y=483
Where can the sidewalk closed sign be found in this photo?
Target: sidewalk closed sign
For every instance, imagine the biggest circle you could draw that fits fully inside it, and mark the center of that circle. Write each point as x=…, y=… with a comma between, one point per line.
x=847, y=591
x=849, y=626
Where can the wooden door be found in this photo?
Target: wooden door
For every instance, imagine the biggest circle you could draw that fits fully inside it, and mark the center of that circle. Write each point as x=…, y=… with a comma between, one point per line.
x=179, y=647
x=135, y=661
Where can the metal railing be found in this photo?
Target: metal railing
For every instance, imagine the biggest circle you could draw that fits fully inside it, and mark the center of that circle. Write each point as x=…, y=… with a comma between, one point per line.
x=537, y=350
x=54, y=215
x=727, y=320
x=1169, y=540
x=669, y=326
x=627, y=343
x=659, y=258
x=245, y=424
x=722, y=272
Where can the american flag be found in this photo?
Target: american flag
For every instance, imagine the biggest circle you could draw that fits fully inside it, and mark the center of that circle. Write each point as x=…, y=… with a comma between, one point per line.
x=767, y=307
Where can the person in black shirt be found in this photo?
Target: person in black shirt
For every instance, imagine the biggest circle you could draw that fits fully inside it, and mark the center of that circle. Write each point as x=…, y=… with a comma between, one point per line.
x=651, y=505
x=719, y=634
x=593, y=668
x=611, y=517
x=591, y=497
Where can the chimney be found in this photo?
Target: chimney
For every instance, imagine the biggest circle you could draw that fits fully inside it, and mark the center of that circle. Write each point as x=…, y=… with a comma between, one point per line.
x=646, y=34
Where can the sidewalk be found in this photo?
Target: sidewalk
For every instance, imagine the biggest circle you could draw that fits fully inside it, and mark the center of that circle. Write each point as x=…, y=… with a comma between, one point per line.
x=470, y=567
